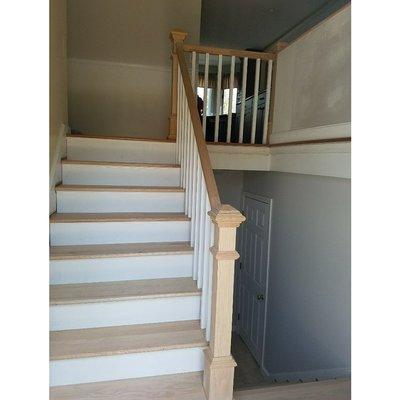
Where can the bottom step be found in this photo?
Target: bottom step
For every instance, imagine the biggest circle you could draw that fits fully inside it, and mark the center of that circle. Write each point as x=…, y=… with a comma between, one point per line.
x=125, y=352
x=170, y=387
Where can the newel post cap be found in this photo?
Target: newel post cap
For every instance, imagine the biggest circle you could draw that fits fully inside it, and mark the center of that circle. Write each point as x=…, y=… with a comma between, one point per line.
x=178, y=35
x=226, y=216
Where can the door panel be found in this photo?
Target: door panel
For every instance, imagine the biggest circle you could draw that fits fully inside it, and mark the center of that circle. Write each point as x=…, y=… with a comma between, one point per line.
x=253, y=274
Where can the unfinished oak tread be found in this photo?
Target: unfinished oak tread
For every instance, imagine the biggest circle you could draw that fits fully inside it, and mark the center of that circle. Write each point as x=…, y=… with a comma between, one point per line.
x=106, y=188
x=118, y=164
x=131, y=138
x=107, y=341
x=116, y=217
x=187, y=386
x=122, y=290
x=89, y=251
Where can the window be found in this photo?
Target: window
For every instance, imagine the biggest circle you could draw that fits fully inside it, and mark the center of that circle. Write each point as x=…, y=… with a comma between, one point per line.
x=225, y=101
x=200, y=93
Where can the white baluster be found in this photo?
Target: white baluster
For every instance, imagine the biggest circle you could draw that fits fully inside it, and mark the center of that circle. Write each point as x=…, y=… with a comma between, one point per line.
x=205, y=100
x=267, y=101
x=196, y=172
x=231, y=80
x=183, y=140
x=209, y=289
x=193, y=167
x=207, y=254
x=243, y=99
x=194, y=71
x=187, y=151
x=177, y=118
x=190, y=159
x=199, y=193
x=202, y=235
x=255, y=101
x=219, y=77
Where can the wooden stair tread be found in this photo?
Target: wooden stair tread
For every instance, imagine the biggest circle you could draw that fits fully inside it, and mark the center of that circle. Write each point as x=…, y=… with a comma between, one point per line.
x=118, y=164
x=122, y=290
x=74, y=252
x=187, y=386
x=116, y=217
x=111, y=188
x=105, y=341
x=108, y=137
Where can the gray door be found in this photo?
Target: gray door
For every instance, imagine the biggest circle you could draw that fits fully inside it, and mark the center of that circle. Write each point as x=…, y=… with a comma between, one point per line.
x=253, y=273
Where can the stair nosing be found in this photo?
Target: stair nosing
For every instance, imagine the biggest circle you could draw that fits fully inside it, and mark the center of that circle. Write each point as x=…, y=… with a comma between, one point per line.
x=56, y=218
x=119, y=254
x=119, y=164
x=129, y=138
x=116, y=188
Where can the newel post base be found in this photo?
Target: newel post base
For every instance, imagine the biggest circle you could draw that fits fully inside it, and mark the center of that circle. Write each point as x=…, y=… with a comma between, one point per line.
x=219, y=364
x=176, y=36
x=218, y=376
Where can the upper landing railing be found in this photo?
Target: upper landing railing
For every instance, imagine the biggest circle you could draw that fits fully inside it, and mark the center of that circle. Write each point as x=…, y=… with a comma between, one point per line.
x=234, y=92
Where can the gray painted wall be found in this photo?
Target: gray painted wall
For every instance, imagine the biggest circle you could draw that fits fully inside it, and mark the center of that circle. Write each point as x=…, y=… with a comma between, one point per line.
x=308, y=321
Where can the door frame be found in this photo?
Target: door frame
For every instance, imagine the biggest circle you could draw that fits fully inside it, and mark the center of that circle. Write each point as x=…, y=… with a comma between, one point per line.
x=269, y=201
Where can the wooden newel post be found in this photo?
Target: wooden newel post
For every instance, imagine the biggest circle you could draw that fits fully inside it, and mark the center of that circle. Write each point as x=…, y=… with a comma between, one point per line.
x=219, y=364
x=176, y=36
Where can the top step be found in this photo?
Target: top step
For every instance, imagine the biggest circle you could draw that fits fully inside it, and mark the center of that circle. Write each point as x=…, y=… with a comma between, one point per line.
x=120, y=149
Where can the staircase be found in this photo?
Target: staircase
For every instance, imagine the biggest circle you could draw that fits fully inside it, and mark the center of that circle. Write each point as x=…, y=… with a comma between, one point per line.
x=142, y=261
x=123, y=304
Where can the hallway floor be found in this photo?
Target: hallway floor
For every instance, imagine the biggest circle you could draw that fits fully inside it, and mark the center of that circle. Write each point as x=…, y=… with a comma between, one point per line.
x=247, y=372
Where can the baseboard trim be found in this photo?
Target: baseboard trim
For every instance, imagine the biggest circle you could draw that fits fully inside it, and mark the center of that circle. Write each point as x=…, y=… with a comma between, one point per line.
x=319, y=374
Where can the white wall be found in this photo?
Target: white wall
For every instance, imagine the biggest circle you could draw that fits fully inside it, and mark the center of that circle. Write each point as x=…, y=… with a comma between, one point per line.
x=313, y=83
x=119, y=64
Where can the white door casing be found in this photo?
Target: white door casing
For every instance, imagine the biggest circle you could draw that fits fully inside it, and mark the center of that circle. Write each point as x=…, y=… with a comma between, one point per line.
x=253, y=273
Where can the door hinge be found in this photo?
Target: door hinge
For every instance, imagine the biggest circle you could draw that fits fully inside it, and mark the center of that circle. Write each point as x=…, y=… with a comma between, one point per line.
x=240, y=265
x=238, y=317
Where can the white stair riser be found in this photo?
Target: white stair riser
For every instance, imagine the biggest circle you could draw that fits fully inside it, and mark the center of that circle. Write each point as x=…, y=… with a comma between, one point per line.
x=118, y=232
x=120, y=269
x=130, y=312
x=81, y=174
x=120, y=150
x=84, y=201
x=125, y=366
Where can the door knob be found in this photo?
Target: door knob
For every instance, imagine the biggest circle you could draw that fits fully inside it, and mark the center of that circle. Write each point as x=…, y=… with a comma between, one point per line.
x=260, y=296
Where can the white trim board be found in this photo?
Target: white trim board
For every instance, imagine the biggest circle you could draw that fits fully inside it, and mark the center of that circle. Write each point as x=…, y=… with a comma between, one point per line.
x=113, y=64
x=314, y=133
x=325, y=159
x=236, y=157
x=329, y=159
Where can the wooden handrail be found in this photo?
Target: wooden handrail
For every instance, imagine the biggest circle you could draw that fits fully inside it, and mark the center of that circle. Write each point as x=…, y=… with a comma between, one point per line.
x=205, y=161
x=229, y=52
